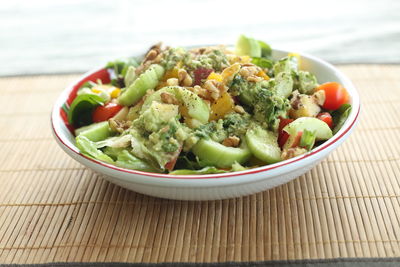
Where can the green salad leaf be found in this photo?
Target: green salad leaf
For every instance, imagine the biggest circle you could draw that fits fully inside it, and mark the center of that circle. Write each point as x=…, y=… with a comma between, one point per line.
x=127, y=160
x=80, y=112
x=339, y=117
x=262, y=62
x=89, y=148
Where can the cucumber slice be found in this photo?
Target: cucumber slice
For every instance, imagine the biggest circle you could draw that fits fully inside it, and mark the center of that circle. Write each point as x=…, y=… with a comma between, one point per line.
x=247, y=46
x=95, y=132
x=321, y=129
x=197, y=108
x=263, y=144
x=146, y=81
x=212, y=153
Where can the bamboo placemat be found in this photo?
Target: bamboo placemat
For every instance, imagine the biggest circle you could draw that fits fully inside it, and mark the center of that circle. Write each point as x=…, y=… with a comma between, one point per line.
x=54, y=209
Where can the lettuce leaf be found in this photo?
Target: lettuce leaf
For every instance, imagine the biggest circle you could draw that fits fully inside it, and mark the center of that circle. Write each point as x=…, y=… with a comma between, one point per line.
x=80, y=112
x=89, y=149
x=340, y=116
x=127, y=160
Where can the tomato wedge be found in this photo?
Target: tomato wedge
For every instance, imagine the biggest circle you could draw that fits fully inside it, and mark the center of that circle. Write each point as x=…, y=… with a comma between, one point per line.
x=335, y=95
x=103, y=113
x=283, y=136
x=297, y=139
x=171, y=164
x=326, y=117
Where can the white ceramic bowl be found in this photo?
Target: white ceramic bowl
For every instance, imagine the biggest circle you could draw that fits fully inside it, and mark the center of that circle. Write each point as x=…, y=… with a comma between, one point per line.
x=212, y=186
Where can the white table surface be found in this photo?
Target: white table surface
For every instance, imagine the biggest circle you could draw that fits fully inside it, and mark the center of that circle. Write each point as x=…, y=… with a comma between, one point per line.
x=62, y=36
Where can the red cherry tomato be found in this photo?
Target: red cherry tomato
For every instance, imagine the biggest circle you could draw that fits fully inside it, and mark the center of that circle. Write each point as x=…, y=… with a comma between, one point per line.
x=335, y=95
x=103, y=113
x=283, y=136
x=171, y=164
x=326, y=117
x=297, y=139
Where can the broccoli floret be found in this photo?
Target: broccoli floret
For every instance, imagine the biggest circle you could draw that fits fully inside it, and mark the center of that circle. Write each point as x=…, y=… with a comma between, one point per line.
x=172, y=56
x=263, y=98
x=269, y=106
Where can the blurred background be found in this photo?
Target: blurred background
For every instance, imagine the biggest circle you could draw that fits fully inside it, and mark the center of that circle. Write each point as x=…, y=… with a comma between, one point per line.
x=64, y=36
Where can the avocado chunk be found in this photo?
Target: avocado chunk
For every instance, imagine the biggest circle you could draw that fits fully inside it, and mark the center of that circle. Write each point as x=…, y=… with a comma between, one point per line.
x=196, y=107
x=247, y=46
x=263, y=144
x=215, y=154
x=320, y=128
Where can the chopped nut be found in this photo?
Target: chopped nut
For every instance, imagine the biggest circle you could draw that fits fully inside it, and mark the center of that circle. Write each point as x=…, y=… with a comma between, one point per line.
x=200, y=91
x=250, y=72
x=254, y=79
x=239, y=109
x=231, y=141
x=184, y=78
x=152, y=56
x=172, y=82
x=215, y=88
x=118, y=125
x=168, y=98
x=292, y=152
x=211, y=86
x=248, y=65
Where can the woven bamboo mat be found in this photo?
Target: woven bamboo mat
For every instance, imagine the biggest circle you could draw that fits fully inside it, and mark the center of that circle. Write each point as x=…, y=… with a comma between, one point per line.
x=54, y=209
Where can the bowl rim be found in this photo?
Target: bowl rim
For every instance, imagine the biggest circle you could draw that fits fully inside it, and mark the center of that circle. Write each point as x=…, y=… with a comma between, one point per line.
x=349, y=125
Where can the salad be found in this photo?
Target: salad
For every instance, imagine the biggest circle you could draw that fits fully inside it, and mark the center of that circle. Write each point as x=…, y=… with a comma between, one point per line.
x=205, y=110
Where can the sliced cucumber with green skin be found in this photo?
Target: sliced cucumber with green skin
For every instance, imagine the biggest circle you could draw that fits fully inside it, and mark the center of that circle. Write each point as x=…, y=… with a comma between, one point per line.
x=197, y=108
x=211, y=153
x=146, y=81
x=95, y=132
x=247, y=46
x=263, y=144
x=321, y=129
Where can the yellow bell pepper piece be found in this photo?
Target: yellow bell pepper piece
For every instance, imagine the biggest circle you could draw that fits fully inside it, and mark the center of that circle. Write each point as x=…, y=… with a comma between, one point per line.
x=215, y=76
x=229, y=72
x=263, y=75
x=115, y=93
x=172, y=73
x=96, y=90
x=221, y=106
